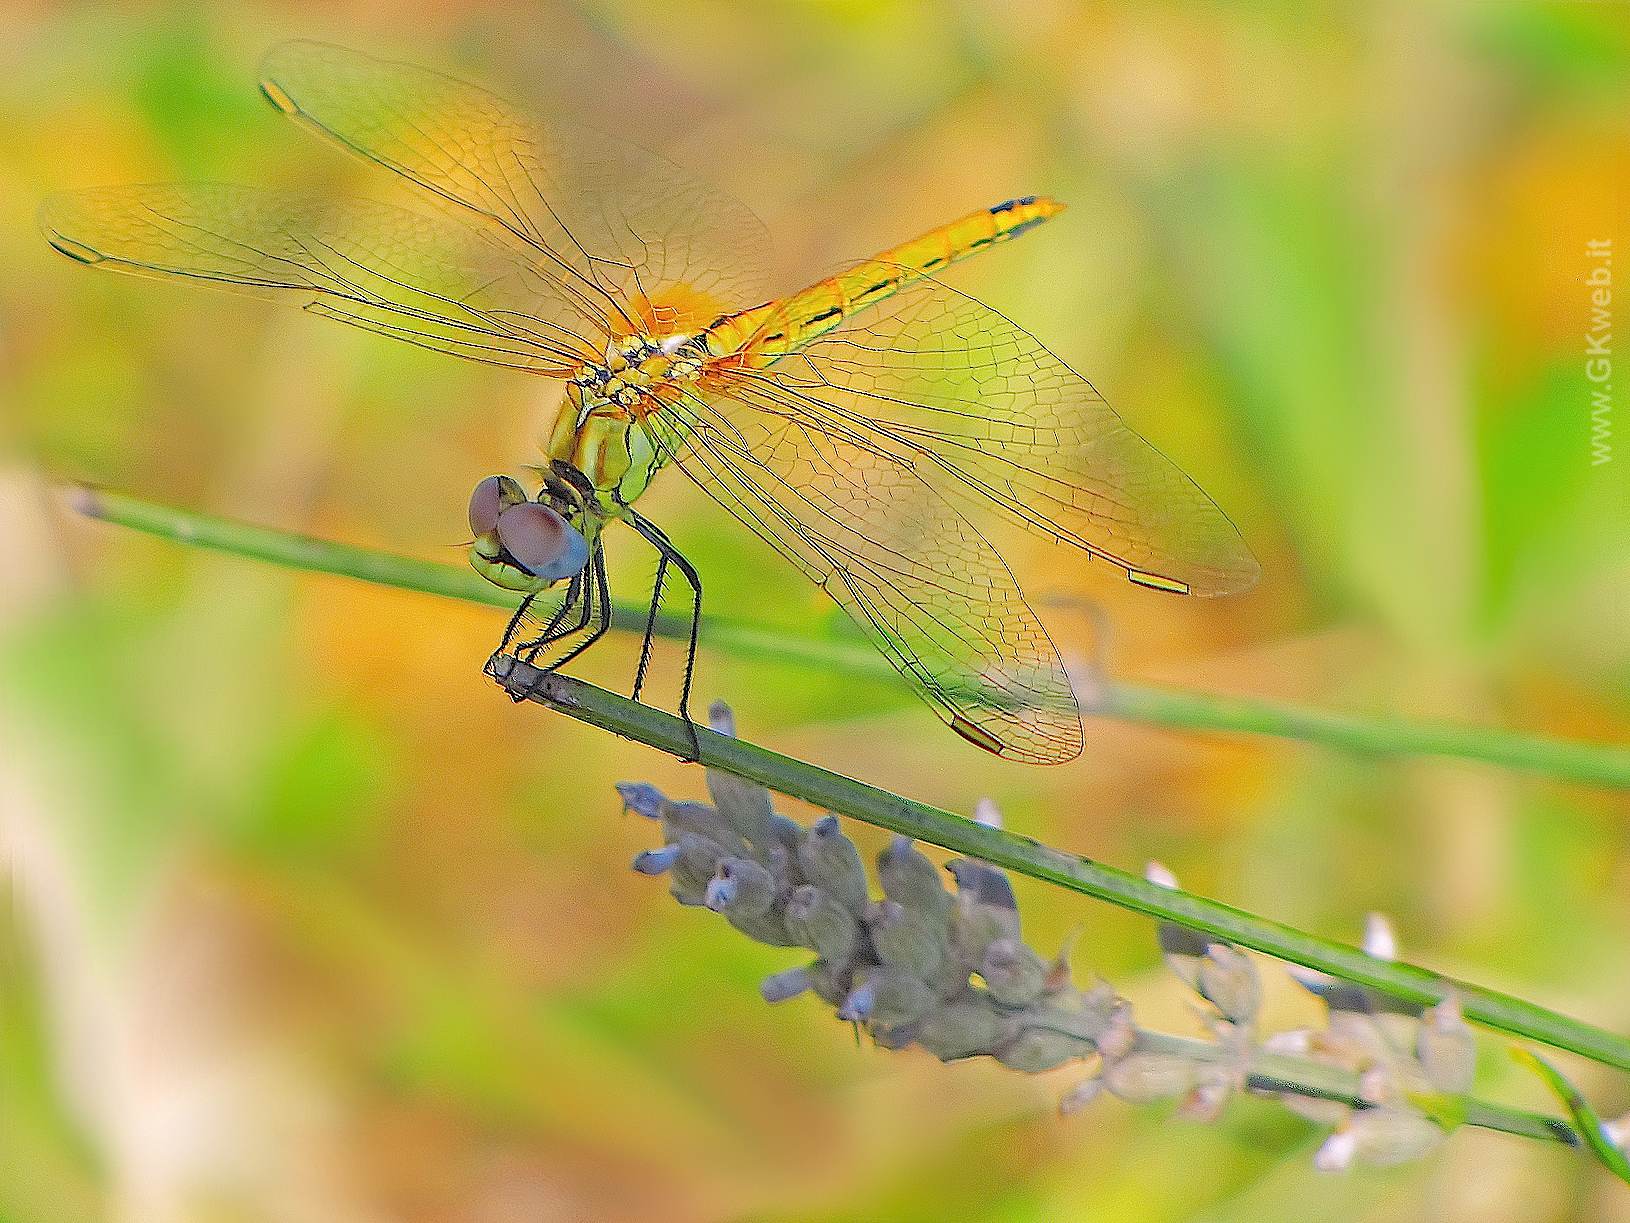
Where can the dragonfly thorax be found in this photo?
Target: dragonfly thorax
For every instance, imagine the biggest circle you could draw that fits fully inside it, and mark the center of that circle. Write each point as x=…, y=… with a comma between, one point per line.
x=631, y=365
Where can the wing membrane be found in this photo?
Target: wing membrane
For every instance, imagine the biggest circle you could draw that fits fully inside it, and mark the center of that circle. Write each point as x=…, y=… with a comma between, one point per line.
x=429, y=281
x=982, y=410
x=916, y=576
x=631, y=236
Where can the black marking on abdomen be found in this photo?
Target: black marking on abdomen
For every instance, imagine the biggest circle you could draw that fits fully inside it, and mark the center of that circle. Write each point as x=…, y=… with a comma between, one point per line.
x=823, y=316
x=1023, y=201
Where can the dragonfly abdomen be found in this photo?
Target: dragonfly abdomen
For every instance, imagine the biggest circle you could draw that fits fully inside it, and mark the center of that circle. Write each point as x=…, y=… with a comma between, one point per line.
x=767, y=332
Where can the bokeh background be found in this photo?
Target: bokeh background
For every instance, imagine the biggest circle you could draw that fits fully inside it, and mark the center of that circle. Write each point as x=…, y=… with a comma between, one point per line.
x=304, y=921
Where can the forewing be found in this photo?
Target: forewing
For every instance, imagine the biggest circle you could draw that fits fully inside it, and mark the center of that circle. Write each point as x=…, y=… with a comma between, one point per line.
x=983, y=410
x=639, y=241
x=427, y=280
x=911, y=571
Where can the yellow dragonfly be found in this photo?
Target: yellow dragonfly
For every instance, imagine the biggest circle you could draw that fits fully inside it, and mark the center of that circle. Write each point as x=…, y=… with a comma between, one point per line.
x=857, y=426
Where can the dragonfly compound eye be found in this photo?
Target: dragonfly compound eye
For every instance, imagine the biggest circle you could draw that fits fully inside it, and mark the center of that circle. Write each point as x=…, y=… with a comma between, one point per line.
x=541, y=541
x=491, y=498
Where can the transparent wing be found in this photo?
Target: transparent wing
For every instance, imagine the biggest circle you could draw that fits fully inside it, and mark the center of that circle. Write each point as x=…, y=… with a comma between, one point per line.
x=929, y=590
x=636, y=239
x=429, y=281
x=981, y=409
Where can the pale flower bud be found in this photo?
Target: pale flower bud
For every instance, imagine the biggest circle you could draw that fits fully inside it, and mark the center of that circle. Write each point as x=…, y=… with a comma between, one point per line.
x=887, y=998
x=821, y=924
x=744, y=891
x=641, y=798
x=1293, y=1042
x=985, y=908
x=830, y=860
x=1079, y=1096
x=1617, y=1132
x=744, y=805
x=1336, y=1153
x=1141, y=1077
x=1205, y=1100
x=1377, y=1085
x=1378, y=1138
x=1120, y=1035
x=1380, y=939
x=694, y=866
x=907, y=940
x=1314, y=1108
x=701, y=820
x=722, y=718
x=1034, y=1050
x=962, y=1029
x=656, y=861
x=910, y=879
x=1445, y=1048
x=831, y=985
x=1014, y=973
x=788, y=983
x=1158, y=874
x=1183, y=950
x=1227, y=979
x=741, y=886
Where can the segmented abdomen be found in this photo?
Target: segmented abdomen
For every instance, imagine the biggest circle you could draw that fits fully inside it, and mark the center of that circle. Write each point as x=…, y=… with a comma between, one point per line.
x=767, y=332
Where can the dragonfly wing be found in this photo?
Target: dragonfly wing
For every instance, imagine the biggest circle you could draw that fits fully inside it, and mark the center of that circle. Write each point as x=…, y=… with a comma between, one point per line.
x=426, y=280
x=912, y=572
x=640, y=240
x=983, y=410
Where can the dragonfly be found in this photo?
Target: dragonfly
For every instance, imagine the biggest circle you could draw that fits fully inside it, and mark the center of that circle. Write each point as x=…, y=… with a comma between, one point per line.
x=860, y=426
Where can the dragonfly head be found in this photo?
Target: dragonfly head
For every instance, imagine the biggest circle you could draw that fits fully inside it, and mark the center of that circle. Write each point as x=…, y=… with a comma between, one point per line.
x=519, y=544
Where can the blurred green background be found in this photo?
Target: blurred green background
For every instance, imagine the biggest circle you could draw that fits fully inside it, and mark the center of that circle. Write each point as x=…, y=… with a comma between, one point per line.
x=304, y=921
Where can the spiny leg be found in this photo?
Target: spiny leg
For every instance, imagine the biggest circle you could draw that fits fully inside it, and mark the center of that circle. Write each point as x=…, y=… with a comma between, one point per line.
x=526, y=651
x=579, y=598
x=515, y=622
x=647, y=639
x=671, y=555
x=510, y=630
x=600, y=596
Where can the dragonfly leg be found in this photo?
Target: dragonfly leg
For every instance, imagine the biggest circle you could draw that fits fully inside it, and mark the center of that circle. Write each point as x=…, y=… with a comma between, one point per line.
x=575, y=601
x=650, y=625
x=527, y=651
x=510, y=630
x=599, y=596
x=671, y=555
x=589, y=597
x=515, y=622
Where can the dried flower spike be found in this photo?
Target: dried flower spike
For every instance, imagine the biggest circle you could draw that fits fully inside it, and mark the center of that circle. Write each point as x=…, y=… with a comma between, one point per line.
x=947, y=971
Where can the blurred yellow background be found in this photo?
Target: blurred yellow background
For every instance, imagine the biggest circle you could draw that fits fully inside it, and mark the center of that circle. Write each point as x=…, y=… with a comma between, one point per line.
x=305, y=921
